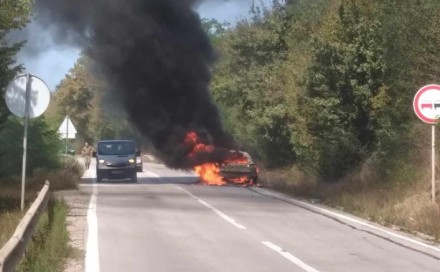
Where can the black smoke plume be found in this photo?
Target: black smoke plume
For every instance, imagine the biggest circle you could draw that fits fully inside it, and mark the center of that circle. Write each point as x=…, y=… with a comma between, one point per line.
x=156, y=60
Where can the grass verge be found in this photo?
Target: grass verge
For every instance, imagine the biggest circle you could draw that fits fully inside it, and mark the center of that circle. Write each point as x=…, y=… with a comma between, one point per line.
x=402, y=203
x=52, y=228
x=48, y=249
x=10, y=213
x=8, y=223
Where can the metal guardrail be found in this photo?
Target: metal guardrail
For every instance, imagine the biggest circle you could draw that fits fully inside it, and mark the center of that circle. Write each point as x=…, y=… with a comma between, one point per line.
x=13, y=250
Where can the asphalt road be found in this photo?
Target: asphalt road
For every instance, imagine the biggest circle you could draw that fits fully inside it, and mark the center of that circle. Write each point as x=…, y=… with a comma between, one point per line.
x=169, y=222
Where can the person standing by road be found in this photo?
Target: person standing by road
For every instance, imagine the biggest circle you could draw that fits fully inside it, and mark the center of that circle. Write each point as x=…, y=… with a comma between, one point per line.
x=86, y=152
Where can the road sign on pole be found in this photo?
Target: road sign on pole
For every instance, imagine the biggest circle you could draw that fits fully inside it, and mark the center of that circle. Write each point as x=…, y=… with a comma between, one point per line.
x=426, y=105
x=67, y=130
x=27, y=96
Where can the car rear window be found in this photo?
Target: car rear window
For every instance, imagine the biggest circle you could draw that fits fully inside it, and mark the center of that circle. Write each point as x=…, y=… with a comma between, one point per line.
x=237, y=157
x=116, y=148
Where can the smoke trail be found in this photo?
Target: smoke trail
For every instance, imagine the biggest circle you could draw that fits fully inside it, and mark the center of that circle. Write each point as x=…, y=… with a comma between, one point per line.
x=156, y=59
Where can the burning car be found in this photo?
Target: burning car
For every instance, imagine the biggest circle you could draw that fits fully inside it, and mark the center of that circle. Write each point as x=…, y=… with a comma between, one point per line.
x=239, y=169
x=235, y=167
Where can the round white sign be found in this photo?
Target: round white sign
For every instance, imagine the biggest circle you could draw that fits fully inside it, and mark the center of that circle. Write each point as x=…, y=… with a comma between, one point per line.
x=15, y=96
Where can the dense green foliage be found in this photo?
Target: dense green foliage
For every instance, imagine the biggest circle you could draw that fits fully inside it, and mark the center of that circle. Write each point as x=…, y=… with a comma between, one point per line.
x=248, y=85
x=13, y=15
x=43, y=146
x=343, y=80
x=326, y=84
x=43, y=143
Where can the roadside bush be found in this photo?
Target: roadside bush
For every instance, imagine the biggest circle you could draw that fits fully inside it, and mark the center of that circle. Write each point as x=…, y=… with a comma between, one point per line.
x=66, y=176
x=290, y=180
x=43, y=147
x=71, y=165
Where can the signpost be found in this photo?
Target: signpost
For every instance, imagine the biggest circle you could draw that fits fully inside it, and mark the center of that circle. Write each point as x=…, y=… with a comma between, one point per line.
x=67, y=130
x=27, y=96
x=426, y=105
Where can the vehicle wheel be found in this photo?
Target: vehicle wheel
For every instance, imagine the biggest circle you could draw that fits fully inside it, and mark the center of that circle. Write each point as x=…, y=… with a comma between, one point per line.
x=98, y=176
x=134, y=177
x=253, y=181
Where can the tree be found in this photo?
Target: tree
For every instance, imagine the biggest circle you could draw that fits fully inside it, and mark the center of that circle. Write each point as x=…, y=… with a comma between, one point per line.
x=214, y=28
x=83, y=97
x=248, y=87
x=343, y=81
x=14, y=14
x=74, y=97
x=43, y=151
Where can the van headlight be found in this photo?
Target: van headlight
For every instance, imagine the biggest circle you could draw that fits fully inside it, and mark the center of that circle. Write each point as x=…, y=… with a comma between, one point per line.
x=131, y=160
x=101, y=161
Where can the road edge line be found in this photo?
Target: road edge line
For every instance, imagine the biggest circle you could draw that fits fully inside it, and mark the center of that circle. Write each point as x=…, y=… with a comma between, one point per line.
x=289, y=256
x=215, y=210
x=336, y=215
x=92, y=249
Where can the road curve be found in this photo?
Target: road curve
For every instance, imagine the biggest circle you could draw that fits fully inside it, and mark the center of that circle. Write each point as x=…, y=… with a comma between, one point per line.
x=169, y=222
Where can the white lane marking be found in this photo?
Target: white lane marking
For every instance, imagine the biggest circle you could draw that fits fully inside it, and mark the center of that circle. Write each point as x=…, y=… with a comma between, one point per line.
x=218, y=212
x=289, y=257
x=125, y=185
x=350, y=219
x=92, y=250
x=151, y=173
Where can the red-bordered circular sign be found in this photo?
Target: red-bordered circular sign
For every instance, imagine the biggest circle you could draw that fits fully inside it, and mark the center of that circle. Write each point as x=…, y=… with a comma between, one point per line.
x=426, y=103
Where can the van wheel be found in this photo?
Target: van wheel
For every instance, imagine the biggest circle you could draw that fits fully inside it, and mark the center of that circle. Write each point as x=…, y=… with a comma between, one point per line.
x=98, y=176
x=134, y=177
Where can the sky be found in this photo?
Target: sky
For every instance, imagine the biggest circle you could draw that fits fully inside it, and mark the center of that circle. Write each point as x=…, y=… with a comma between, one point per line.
x=51, y=62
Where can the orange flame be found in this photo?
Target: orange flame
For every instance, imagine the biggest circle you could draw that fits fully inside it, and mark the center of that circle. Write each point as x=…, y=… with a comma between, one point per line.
x=238, y=160
x=240, y=180
x=210, y=174
x=192, y=138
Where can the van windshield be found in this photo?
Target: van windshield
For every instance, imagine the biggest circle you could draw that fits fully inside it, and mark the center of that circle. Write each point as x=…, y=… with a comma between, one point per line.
x=116, y=148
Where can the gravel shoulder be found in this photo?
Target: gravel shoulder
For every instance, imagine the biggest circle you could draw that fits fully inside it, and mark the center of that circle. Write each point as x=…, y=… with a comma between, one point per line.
x=78, y=203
